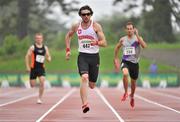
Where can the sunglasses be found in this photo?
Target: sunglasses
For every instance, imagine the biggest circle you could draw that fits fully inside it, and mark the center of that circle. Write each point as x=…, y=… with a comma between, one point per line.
x=84, y=14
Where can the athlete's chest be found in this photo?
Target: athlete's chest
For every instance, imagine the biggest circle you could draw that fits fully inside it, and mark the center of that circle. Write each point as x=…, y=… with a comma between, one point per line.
x=40, y=51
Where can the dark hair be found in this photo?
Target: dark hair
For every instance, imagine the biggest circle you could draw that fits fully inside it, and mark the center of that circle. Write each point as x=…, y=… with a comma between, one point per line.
x=86, y=7
x=129, y=23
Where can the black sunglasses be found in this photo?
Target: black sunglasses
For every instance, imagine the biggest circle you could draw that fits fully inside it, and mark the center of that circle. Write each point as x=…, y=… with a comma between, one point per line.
x=88, y=14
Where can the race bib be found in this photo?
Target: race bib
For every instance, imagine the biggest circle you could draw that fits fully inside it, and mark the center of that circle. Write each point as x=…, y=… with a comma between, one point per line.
x=129, y=51
x=85, y=43
x=40, y=58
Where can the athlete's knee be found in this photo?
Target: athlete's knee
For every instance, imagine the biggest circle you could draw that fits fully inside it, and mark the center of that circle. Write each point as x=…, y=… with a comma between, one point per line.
x=125, y=76
x=41, y=81
x=133, y=80
x=92, y=85
x=85, y=78
x=32, y=84
x=125, y=72
x=41, y=84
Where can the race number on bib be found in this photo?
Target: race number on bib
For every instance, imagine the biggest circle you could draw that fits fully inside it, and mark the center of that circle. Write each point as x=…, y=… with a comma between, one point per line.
x=40, y=58
x=129, y=51
x=85, y=43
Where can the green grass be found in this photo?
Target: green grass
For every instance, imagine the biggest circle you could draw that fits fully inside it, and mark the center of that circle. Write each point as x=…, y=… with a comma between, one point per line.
x=60, y=65
x=145, y=63
x=12, y=65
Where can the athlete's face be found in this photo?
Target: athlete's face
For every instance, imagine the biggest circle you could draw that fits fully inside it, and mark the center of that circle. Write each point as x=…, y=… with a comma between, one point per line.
x=85, y=15
x=39, y=39
x=130, y=30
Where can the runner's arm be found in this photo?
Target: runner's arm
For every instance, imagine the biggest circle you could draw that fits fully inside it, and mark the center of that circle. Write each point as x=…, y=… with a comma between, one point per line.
x=102, y=40
x=27, y=58
x=116, y=59
x=69, y=35
x=117, y=47
x=48, y=56
x=68, y=39
x=140, y=39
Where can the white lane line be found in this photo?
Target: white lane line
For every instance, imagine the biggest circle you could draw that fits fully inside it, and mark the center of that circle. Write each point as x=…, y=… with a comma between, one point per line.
x=158, y=104
x=163, y=94
x=54, y=106
x=76, y=120
x=1, y=120
x=20, y=99
x=141, y=120
x=109, y=105
x=17, y=100
x=57, y=120
x=13, y=92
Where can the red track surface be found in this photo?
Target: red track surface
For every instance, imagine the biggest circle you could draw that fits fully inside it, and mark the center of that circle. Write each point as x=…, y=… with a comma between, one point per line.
x=64, y=105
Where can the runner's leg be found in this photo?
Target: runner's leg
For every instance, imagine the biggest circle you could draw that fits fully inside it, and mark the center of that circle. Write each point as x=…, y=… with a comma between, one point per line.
x=92, y=84
x=133, y=87
x=32, y=82
x=41, y=86
x=84, y=88
x=125, y=79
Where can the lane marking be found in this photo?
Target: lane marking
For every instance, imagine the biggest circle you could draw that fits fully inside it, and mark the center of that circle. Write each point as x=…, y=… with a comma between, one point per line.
x=109, y=105
x=141, y=120
x=163, y=94
x=108, y=120
x=20, y=99
x=13, y=92
x=58, y=120
x=17, y=100
x=76, y=120
x=158, y=104
x=54, y=106
x=2, y=120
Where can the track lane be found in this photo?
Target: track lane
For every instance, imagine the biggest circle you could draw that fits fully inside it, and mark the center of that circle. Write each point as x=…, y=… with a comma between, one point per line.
x=163, y=99
x=70, y=110
x=28, y=110
x=11, y=90
x=143, y=111
x=169, y=91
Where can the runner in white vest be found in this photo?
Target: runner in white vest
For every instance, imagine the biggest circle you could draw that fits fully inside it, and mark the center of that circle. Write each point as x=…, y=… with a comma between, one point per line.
x=90, y=38
x=84, y=39
x=130, y=56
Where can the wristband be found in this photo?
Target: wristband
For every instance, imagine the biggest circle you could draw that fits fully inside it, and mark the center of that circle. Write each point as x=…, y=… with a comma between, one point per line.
x=67, y=49
x=96, y=43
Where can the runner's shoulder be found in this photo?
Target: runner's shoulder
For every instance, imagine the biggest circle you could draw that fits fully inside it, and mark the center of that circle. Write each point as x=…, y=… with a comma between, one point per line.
x=75, y=25
x=122, y=39
x=32, y=47
x=45, y=46
x=97, y=26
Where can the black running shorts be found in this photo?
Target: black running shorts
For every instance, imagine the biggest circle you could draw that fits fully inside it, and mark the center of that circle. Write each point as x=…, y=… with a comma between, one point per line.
x=133, y=68
x=34, y=73
x=89, y=63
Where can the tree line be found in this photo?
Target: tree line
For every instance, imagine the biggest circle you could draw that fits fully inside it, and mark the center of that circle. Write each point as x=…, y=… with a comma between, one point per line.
x=22, y=18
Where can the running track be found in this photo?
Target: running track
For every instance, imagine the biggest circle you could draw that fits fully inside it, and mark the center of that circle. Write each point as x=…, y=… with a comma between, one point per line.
x=64, y=105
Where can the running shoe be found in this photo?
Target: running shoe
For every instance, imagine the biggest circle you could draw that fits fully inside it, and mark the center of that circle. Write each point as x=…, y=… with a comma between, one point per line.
x=124, y=97
x=39, y=101
x=85, y=108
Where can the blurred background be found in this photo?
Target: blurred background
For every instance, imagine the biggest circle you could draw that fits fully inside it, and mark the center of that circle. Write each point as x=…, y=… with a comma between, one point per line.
x=158, y=22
